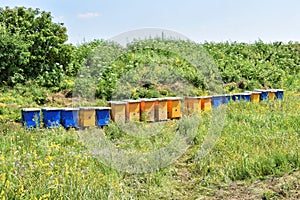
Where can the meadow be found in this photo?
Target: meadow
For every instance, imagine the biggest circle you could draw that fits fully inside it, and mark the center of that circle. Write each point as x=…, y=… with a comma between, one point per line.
x=259, y=143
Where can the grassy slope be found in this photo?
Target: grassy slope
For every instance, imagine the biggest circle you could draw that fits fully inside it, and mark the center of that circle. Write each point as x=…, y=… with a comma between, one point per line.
x=257, y=141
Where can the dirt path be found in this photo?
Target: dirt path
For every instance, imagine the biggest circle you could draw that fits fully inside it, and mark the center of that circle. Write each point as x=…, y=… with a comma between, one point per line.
x=284, y=187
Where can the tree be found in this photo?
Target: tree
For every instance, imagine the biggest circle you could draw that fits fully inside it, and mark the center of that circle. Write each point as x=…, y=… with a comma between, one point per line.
x=13, y=54
x=40, y=43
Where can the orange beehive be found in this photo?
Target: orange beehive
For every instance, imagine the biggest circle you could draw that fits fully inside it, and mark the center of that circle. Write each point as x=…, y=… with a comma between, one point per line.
x=271, y=94
x=206, y=103
x=133, y=110
x=161, y=109
x=174, y=107
x=192, y=105
x=118, y=111
x=148, y=110
x=255, y=97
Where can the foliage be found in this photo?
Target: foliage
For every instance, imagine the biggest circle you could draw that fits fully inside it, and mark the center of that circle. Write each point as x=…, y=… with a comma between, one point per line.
x=36, y=44
x=79, y=55
x=256, y=65
x=239, y=66
x=14, y=53
x=110, y=66
x=92, y=69
x=33, y=47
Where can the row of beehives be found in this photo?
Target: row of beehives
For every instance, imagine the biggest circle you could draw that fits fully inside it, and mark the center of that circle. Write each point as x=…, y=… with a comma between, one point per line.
x=150, y=110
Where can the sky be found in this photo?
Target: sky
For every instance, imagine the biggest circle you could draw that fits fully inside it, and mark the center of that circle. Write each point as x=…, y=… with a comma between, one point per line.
x=199, y=20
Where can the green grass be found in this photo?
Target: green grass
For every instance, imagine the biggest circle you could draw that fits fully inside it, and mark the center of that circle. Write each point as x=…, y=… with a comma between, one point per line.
x=257, y=141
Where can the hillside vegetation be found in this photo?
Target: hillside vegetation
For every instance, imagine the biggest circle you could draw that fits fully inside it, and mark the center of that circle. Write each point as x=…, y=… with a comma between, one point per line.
x=258, y=147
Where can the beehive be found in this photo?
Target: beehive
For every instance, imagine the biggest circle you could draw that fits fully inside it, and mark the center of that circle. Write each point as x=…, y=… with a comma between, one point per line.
x=263, y=94
x=174, y=107
x=225, y=98
x=255, y=97
x=102, y=116
x=118, y=111
x=206, y=103
x=161, y=109
x=216, y=101
x=192, y=105
x=69, y=117
x=236, y=97
x=133, y=110
x=30, y=117
x=246, y=96
x=279, y=94
x=86, y=116
x=148, y=110
x=271, y=94
x=51, y=117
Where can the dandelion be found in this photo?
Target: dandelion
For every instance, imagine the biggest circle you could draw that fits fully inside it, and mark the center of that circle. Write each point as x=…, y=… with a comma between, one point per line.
x=1, y=157
x=67, y=169
x=49, y=173
x=45, y=196
x=3, y=177
x=21, y=189
x=45, y=164
x=49, y=158
x=34, y=154
x=7, y=184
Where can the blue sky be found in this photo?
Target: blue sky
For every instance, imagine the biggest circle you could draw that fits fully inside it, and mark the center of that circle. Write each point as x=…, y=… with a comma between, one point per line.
x=199, y=20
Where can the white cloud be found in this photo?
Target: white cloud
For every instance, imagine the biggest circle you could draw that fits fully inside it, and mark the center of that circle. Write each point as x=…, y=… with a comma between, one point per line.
x=88, y=15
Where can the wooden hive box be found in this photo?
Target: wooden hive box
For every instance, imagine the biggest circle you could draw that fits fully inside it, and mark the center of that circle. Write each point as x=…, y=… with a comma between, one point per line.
x=161, y=109
x=30, y=117
x=118, y=111
x=255, y=97
x=271, y=94
x=102, y=116
x=174, y=107
x=133, y=110
x=148, y=110
x=86, y=116
x=206, y=103
x=192, y=105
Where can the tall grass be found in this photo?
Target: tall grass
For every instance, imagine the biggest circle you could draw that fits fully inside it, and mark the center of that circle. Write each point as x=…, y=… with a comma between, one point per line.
x=257, y=140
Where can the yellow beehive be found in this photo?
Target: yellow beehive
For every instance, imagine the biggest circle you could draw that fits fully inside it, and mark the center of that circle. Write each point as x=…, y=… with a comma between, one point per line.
x=118, y=111
x=271, y=94
x=132, y=110
x=86, y=117
x=161, y=109
x=255, y=97
x=174, y=107
x=192, y=105
x=148, y=110
x=206, y=103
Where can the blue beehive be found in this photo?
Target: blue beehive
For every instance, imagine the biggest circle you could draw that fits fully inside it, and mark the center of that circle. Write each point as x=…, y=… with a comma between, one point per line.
x=263, y=94
x=102, y=116
x=246, y=96
x=69, y=117
x=31, y=117
x=236, y=97
x=216, y=101
x=279, y=94
x=226, y=98
x=51, y=117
